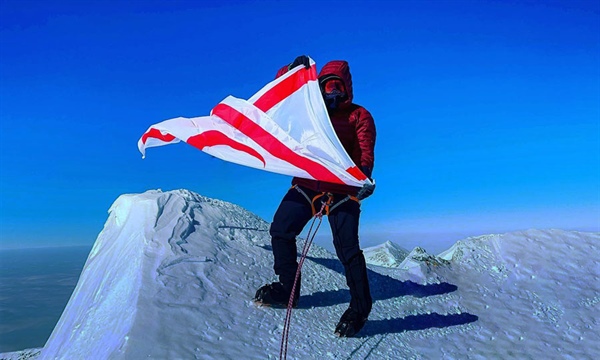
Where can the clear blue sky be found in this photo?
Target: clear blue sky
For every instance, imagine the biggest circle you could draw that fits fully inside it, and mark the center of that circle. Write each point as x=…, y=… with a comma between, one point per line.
x=488, y=112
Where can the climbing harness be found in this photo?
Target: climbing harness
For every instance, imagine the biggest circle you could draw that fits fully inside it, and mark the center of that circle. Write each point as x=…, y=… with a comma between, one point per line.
x=326, y=208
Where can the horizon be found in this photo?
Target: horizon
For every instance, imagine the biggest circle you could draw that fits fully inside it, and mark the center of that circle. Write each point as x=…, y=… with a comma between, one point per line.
x=144, y=291
x=433, y=243
x=487, y=112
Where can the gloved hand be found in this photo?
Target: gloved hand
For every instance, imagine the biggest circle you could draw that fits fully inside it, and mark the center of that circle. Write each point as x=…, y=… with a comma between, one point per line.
x=366, y=191
x=300, y=60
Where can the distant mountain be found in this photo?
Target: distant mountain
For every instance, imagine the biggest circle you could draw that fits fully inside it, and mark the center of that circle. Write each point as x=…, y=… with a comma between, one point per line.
x=172, y=275
x=388, y=254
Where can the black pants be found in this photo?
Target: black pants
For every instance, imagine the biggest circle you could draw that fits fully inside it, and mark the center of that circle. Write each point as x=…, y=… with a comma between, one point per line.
x=293, y=214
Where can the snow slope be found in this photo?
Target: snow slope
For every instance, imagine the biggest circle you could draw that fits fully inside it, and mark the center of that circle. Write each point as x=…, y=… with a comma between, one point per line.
x=172, y=275
x=387, y=254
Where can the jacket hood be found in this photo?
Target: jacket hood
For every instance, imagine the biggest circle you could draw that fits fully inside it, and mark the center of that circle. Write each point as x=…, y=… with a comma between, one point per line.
x=341, y=70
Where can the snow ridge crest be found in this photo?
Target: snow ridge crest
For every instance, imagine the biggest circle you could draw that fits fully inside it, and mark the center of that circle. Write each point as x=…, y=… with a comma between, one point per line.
x=149, y=247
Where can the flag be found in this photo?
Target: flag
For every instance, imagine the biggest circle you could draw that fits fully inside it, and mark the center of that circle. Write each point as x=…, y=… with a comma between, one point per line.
x=283, y=128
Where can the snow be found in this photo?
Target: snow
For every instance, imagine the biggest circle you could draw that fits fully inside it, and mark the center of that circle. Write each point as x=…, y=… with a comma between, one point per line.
x=172, y=275
x=388, y=254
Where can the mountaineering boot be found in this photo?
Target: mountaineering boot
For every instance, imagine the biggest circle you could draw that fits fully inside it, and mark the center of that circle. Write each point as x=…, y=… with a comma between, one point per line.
x=350, y=323
x=275, y=295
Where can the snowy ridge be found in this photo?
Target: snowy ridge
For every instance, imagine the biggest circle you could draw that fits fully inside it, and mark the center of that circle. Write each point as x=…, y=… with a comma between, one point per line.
x=419, y=266
x=172, y=275
x=154, y=266
x=387, y=254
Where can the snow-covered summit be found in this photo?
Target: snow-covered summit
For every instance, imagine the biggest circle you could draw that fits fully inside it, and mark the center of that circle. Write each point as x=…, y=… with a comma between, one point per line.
x=419, y=265
x=163, y=262
x=545, y=251
x=388, y=254
x=172, y=275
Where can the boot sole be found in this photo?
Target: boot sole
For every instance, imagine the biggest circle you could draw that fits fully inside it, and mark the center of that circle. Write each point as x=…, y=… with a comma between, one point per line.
x=338, y=334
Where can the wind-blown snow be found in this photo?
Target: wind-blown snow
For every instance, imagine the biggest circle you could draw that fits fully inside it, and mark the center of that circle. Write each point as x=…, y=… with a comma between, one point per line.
x=172, y=275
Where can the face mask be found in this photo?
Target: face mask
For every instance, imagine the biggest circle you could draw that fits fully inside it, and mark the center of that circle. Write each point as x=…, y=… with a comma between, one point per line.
x=334, y=92
x=334, y=98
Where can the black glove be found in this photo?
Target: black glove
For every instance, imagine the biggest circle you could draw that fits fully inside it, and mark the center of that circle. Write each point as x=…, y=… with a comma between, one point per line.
x=366, y=191
x=300, y=60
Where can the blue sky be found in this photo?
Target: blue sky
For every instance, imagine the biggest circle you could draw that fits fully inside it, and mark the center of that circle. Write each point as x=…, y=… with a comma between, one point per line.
x=488, y=112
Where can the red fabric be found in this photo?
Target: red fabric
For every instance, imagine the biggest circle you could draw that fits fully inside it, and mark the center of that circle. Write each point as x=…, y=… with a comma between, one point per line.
x=353, y=125
x=281, y=71
x=271, y=143
x=357, y=173
x=155, y=133
x=285, y=88
x=341, y=69
x=214, y=138
x=355, y=128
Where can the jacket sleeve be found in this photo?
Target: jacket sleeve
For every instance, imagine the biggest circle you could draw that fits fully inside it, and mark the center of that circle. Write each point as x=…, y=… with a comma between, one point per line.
x=366, y=134
x=282, y=71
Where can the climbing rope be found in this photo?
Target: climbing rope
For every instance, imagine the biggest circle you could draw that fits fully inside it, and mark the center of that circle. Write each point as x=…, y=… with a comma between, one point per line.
x=309, y=239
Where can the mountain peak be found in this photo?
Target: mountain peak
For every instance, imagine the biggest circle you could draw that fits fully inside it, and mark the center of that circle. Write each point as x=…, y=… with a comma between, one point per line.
x=387, y=254
x=172, y=275
x=163, y=258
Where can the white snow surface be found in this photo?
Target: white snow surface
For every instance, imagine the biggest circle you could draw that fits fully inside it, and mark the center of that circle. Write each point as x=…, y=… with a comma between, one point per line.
x=172, y=275
x=388, y=254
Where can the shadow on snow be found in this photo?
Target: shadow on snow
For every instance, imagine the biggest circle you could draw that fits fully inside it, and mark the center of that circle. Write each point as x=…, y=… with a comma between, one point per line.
x=415, y=322
x=384, y=287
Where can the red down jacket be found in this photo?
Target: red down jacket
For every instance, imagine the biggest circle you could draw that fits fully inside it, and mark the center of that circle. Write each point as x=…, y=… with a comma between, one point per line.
x=354, y=127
